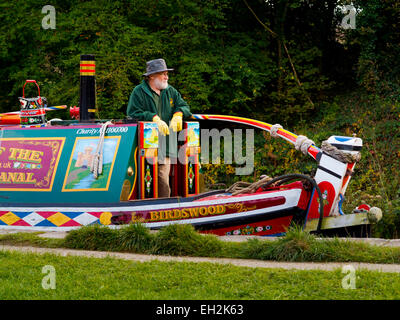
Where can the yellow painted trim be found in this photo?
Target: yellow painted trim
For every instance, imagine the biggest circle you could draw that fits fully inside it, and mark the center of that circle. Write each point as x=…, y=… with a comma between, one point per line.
x=197, y=188
x=141, y=178
x=185, y=177
x=136, y=173
x=156, y=178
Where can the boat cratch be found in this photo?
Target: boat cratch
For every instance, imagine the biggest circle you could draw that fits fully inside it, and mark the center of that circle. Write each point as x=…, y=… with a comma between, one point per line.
x=65, y=174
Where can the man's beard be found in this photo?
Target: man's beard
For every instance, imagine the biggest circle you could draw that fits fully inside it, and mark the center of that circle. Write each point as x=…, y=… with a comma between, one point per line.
x=160, y=85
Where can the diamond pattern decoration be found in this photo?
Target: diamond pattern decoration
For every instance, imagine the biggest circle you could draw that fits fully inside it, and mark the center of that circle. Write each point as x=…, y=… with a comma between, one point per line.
x=9, y=218
x=33, y=218
x=58, y=219
x=85, y=219
x=49, y=218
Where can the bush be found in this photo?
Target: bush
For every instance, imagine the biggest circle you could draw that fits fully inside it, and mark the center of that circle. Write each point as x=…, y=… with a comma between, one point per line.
x=175, y=239
x=93, y=237
x=135, y=238
x=295, y=246
x=389, y=226
x=182, y=239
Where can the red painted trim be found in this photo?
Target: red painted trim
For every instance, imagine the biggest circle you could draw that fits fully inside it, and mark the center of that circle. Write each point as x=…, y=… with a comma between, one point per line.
x=274, y=226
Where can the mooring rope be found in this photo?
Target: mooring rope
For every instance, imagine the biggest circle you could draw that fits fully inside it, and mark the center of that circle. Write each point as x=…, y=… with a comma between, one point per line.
x=338, y=154
x=247, y=187
x=303, y=143
x=267, y=182
x=96, y=166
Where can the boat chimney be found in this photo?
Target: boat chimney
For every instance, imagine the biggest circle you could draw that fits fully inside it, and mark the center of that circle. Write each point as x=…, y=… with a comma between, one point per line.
x=87, y=99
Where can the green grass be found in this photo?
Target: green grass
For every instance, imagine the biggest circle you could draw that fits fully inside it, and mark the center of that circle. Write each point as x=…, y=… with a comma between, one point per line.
x=91, y=279
x=301, y=246
x=108, y=278
x=30, y=239
x=183, y=240
x=178, y=239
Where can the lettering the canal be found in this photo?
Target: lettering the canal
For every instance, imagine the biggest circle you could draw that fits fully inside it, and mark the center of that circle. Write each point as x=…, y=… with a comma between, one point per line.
x=23, y=158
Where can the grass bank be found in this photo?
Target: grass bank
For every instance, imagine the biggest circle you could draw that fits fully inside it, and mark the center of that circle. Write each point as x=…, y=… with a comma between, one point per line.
x=22, y=276
x=183, y=240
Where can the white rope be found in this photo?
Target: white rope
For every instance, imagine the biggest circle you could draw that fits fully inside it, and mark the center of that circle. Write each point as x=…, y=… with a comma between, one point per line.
x=97, y=163
x=303, y=143
x=274, y=130
x=338, y=154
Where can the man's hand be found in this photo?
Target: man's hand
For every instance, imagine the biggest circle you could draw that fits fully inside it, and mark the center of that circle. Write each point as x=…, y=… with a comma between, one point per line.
x=176, y=122
x=162, y=126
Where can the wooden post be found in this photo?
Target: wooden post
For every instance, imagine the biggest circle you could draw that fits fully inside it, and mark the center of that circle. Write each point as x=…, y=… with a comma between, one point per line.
x=87, y=99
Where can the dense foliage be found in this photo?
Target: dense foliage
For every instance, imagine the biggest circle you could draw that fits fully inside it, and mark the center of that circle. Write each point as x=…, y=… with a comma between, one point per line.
x=225, y=61
x=281, y=61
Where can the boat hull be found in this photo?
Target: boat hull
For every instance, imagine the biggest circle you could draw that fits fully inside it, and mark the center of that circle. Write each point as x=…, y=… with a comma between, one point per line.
x=262, y=213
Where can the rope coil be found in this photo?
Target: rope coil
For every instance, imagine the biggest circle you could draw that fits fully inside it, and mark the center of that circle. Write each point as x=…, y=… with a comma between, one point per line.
x=267, y=182
x=96, y=166
x=247, y=187
x=303, y=143
x=338, y=154
x=274, y=130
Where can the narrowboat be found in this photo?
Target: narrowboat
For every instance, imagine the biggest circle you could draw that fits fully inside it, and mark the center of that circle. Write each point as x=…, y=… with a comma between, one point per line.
x=64, y=174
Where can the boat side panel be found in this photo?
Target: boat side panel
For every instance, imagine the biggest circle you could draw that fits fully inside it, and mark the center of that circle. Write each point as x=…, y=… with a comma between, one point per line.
x=43, y=165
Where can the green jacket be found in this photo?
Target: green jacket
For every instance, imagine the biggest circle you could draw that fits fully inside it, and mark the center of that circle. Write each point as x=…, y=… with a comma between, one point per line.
x=141, y=107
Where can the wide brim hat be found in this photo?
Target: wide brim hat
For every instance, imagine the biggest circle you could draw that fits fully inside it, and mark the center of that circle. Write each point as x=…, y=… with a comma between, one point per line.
x=155, y=66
